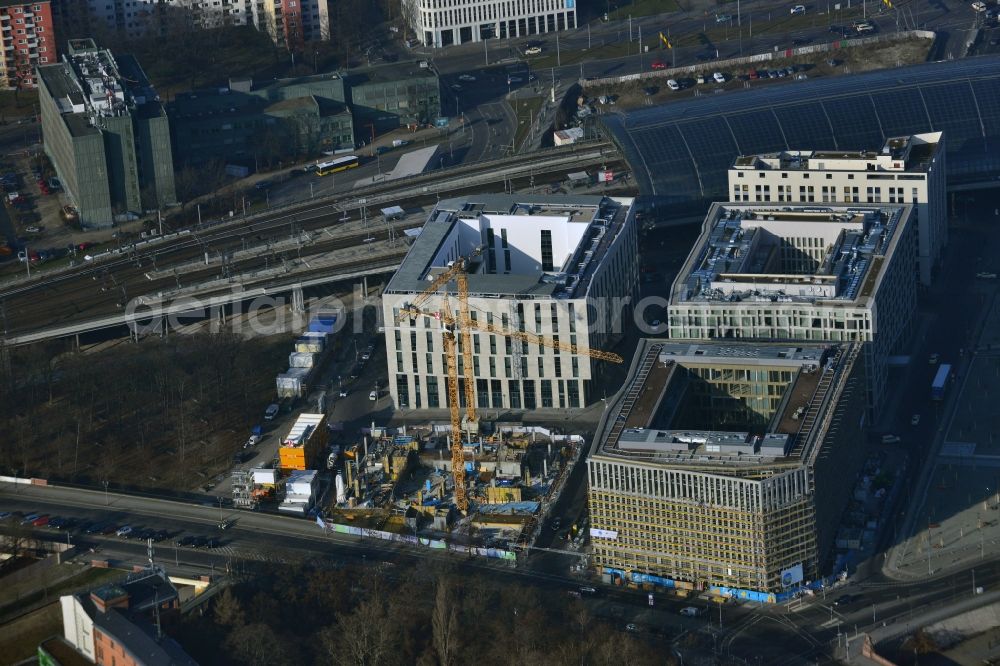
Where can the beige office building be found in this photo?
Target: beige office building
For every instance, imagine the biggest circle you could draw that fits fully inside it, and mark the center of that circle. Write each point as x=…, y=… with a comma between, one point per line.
x=908, y=169
x=726, y=466
x=791, y=272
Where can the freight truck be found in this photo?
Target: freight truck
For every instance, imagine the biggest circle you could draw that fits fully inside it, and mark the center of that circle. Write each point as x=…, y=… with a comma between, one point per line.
x=940, y=383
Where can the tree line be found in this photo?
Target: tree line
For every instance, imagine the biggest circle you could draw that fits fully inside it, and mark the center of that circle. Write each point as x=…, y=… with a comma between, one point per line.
x=425, y=614
x=144, y=414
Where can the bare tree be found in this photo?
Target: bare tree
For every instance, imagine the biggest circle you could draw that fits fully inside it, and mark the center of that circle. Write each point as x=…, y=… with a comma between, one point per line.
x=408, y=12
x=363, y=637
x=444, y=620
x=228, y=610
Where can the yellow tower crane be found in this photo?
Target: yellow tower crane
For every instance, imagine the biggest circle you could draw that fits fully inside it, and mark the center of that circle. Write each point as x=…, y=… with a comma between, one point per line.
x=462, y=324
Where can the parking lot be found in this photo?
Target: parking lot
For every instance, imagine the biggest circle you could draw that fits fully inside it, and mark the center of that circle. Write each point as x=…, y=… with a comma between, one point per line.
x=111, y=529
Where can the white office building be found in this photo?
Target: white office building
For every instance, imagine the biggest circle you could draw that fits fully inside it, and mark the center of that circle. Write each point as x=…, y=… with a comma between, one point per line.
x=562, y=267
x=778, y=272
x=441, y=23
x=908, y=169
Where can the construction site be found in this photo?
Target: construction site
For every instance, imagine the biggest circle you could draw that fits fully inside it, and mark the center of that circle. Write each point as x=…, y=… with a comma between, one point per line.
x=402, y=481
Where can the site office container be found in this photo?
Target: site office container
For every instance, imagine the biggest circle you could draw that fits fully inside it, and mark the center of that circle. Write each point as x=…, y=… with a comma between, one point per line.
x=301, y=360
x=306, y=440
x=322, y=323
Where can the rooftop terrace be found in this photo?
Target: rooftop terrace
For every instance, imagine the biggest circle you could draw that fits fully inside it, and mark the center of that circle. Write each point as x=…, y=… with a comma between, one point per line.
x=764, y=252
x=639, y=425
x=905, y=153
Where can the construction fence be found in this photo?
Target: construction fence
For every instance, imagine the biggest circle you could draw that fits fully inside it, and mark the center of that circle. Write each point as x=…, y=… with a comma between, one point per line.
x=434, y=544
x=719, y=65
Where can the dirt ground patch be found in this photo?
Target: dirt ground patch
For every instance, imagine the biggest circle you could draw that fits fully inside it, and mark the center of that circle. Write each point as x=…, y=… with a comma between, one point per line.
x=869, y=57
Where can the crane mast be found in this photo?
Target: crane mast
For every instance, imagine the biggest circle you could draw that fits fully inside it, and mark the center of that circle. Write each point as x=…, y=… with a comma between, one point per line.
x=461, y=324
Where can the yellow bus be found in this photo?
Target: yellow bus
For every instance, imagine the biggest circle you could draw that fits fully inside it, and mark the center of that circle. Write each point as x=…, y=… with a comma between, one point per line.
x=339, y=164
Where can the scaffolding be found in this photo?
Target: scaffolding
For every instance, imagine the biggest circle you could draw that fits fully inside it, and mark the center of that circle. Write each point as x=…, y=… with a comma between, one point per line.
x=243, y=495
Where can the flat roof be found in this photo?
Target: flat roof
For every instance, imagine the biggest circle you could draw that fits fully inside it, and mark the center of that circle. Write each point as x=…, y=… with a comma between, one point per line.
x=737, y=256
x=911, y=153
x=604, y=219
x=637, y=426
x=413, y=163
x=303, y=429
x=390, y=72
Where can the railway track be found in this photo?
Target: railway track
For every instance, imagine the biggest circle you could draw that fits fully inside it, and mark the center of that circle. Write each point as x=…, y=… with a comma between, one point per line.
x=101, y=289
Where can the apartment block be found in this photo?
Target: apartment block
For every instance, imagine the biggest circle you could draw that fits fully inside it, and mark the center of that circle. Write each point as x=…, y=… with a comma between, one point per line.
x=118, y=624
x=292, y=23
x=139, y=18
x=908, y=169
x=725, y=465
x=837, y=273
x=562, y=267
x=106, y=133
x=440, y=23
x=29, y=40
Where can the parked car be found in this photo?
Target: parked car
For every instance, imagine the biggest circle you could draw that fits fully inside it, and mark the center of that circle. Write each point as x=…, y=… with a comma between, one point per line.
x=263, y=185
x=271, y=412
x=798, y=9
x=533, y=50
x=659, y=64
x=94, y=528
x=186, y=541
x=673, y=85
x=124, y=531
x=979, y=6
x=722, y=18
x=41, y=521
x=933, y=359
x=719, y=77
x=466, y=77
x=915, y=420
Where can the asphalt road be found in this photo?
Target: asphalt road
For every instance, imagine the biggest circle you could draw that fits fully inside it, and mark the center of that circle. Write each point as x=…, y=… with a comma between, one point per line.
x=779, y=634
x=760, y=29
